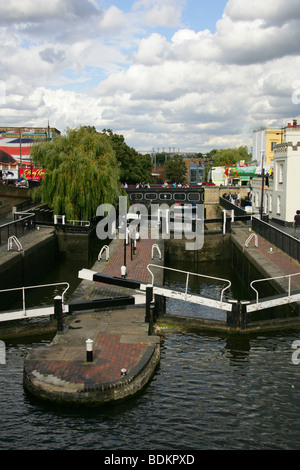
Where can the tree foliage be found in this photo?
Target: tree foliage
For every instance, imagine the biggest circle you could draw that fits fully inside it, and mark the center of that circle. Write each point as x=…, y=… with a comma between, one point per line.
x=229, y=156
x=82, y=172
x=175, y=170
x=134, y=167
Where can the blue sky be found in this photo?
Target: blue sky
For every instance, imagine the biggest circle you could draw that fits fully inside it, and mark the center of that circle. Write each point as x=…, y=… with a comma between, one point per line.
x=196, y=14
x=203, y=15
x=190, y=74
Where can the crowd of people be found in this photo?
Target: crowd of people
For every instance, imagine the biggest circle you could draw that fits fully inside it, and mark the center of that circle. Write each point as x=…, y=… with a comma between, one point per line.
x=234, y=198
x=175, y=185
x=165, y=185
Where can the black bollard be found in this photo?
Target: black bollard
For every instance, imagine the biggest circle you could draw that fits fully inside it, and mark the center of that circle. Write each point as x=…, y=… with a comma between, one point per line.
x=149, y=295
x=58, y=312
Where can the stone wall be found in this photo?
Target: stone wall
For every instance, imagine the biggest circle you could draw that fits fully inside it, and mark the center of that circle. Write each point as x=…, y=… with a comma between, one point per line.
x=216, y=247
x=11, y=196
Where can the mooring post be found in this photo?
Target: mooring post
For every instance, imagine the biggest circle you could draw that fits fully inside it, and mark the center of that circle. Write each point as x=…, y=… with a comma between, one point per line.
x=89, y=350
x=149, y=295
x=245, y=317
x=232, y=316
x=58, y=312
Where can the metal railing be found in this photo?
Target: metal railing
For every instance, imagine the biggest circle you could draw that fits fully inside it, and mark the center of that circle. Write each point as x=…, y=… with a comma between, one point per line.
x=105, y=249
x=17, y=227
x=12, y=240
x=239, y=213
x=23, y=289
x=188, y=274
x=288, y=277
x=282, y=240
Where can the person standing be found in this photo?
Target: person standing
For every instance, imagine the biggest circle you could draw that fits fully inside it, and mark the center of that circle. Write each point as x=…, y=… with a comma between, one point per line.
x=296, y=224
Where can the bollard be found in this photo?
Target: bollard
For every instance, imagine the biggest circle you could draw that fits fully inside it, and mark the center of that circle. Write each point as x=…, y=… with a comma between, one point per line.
x=245, y=317
x=89, y=350
x=149, y=296
x=123, y=271
x=232, y=316
x=58, y=312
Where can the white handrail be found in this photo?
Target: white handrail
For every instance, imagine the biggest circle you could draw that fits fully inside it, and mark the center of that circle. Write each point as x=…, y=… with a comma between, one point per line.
x=10, y=241
x=158, y=250
x=289, y=276
x=249, y=238
x=106, y=248
x=34, y=287
x=188, y=276
x=86, y=223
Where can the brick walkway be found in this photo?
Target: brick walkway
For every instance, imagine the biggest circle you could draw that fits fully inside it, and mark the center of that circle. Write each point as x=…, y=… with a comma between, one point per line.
x=275, y=262
x=135, y=269
x=120, y=336
x=110, y=357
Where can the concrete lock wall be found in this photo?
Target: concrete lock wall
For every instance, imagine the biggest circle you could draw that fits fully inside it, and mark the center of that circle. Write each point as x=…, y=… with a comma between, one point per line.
x=24, y=268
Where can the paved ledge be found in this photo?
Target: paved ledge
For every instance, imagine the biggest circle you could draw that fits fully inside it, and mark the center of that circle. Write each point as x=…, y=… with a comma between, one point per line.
x=270, y=264
x=60, y=372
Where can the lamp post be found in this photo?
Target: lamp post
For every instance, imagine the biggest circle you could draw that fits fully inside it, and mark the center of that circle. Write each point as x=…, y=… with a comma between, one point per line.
x=208, y=163
x=262, y=185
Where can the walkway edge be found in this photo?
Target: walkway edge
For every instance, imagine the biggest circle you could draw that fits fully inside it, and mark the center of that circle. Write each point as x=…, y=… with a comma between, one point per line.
x=58, y=391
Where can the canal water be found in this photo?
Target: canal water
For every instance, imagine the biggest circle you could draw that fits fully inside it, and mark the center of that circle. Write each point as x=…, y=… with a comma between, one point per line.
x=210, y=391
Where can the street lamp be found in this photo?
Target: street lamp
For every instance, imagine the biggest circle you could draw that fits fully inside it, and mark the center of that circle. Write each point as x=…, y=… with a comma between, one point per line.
x=208, y=162
x=262, y=185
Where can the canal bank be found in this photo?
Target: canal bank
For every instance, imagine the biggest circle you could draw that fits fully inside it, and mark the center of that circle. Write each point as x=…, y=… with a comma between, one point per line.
x=62, y=373
x=251, y=260
x=39, y=252
x=124, y=352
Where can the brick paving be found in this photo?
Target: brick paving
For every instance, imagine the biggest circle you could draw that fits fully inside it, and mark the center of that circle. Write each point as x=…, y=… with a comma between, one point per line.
x=135, y=269
x=275, y=262
x=109, y=358
x=120, y=336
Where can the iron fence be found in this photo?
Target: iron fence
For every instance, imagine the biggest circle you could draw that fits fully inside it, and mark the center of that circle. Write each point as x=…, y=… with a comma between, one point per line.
x=282, y=240
x=17, y=228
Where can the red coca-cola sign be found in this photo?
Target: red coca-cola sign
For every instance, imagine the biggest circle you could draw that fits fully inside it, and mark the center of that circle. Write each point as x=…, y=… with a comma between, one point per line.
x=34, y=174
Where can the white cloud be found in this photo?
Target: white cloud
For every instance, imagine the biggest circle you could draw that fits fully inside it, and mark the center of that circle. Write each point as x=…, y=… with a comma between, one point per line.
x=113, y=20
x=35, y=11
x=75, y=63
x=158, y=13
x=248, y=41
x=273, y=12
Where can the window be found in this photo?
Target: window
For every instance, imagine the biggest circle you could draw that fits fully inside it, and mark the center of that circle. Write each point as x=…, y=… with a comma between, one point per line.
x=280, y=171
x=278, y=205
x=193, y=175
x=273, y=145
x=196, y=173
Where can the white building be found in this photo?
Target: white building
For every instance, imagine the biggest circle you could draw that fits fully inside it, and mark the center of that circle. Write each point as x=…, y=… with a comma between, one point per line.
x=281, y=197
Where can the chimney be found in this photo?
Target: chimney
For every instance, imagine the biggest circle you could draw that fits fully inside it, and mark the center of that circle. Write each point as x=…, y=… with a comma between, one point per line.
x=294, y=123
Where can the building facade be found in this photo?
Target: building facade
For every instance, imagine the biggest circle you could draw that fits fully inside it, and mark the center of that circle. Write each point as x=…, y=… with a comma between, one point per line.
x=281, y=192
x=264, y=142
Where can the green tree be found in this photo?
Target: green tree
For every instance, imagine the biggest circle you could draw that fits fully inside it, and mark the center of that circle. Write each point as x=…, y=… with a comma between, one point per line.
x=229, y=156
x=175, y=170
x=134, y=167
x=82, y=172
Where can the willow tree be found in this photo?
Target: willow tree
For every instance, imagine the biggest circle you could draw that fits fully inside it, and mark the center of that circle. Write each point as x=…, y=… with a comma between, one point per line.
x=82, y=172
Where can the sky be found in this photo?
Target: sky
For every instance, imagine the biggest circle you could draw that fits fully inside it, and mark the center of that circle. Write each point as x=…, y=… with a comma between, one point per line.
x=183, y=75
